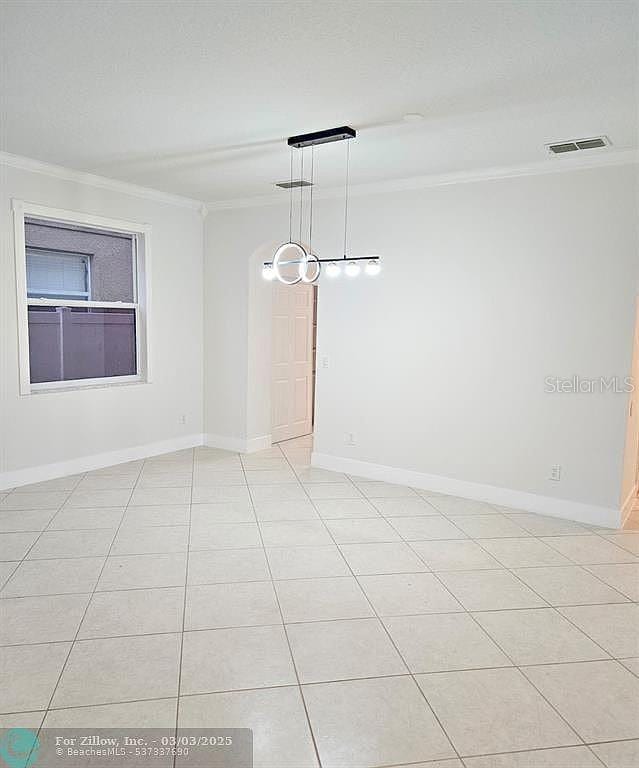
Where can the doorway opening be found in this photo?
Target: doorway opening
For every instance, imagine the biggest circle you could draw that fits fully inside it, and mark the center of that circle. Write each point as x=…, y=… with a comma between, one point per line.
x=630, y=486
x=293, y=361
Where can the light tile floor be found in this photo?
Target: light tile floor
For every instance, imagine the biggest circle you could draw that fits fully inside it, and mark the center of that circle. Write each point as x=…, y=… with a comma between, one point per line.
x=350, y=623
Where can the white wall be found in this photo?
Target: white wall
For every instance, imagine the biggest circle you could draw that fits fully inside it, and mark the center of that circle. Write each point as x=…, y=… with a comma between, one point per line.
x=53, y=428
x=238, y=325
x=438, y=365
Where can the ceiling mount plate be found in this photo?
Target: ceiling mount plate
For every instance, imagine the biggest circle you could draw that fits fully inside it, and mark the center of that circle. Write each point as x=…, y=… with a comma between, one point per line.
x=322, y=137
x=294, y=184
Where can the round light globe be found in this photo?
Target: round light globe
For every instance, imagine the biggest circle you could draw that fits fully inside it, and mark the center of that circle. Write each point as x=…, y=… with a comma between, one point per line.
x=352, y=269
x=268, y=273
x=373, y=267
x=333, y=269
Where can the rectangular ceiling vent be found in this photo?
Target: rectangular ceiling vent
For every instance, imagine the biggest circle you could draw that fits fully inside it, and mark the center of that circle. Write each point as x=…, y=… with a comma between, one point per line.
x=578, y=144
x=293, y=184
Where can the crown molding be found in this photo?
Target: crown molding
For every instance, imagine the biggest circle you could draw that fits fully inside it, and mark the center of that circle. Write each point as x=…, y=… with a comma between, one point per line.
x=554, y=164
x=558, y=164
x=102, y=182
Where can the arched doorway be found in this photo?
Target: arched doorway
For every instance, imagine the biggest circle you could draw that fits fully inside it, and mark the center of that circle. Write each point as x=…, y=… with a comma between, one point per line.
x=281, y=365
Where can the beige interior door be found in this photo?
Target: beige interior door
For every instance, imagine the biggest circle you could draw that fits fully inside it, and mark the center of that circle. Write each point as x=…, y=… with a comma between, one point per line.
x=292, y=362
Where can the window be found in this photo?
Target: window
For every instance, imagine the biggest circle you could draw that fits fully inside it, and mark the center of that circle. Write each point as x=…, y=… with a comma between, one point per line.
x=83, y=297
x=55, y=275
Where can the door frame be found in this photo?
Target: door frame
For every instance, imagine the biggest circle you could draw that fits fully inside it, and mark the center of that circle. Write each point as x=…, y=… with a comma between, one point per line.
x=630, y=481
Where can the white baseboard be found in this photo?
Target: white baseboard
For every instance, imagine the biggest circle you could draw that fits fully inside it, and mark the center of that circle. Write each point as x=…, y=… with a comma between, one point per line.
x=504, y=497
x=43, y=472
x=254, y=444
x=238, y=444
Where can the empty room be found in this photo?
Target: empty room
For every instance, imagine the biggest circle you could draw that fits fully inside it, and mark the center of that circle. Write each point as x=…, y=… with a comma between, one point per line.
x=319, y=384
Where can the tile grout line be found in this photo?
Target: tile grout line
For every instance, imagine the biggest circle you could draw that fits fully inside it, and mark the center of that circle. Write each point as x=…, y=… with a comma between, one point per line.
x=408, y=543
x=539, y=539
x=75, y=638
x=468, y=612
x=595, y=535
x=385, y=629
x=554, y=608
x=514, y=665
x=184, y=603
x=38, y=537
x=522, y=667
x=435, y=760
x=279, y=607
x=619, y=659
x=290, y=578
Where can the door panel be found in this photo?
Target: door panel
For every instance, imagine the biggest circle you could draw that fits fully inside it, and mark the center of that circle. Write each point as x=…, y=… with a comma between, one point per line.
x=301, y=350
x=292, y=362
x=279, y=401
x=301, y=404
x=280, y=340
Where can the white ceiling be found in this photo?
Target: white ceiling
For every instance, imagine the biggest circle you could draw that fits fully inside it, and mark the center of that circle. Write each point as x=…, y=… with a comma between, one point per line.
x=196, y=98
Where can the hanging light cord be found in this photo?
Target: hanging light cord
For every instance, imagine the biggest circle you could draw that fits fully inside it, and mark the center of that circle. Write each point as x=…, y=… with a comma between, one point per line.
x=301, y=192
x=290, y=202
x=310, y=215
x=348, y=151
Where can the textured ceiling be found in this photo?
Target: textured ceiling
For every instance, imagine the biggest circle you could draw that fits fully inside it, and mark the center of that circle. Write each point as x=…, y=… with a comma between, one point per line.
x=196, y=98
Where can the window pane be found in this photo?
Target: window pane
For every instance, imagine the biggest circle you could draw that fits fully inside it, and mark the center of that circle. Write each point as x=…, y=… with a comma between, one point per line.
x=108, y=270
x=69, y=343
x=53, y=275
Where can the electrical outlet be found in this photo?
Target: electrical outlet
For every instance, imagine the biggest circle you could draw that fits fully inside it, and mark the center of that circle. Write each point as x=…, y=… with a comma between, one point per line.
x=555, y=473
x=325, y=362
x=182, y=419
x=349, y=439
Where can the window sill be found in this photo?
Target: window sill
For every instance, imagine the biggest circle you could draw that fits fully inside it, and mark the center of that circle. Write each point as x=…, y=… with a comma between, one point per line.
x=77, y=385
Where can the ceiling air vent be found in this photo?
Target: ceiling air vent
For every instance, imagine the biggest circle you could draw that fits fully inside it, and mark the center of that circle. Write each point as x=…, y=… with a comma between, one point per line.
x=293, y=184
x=592, y=143
x=578, y=144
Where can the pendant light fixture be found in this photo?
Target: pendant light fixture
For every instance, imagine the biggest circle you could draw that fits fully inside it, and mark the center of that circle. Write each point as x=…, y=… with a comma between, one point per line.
x=292, y=263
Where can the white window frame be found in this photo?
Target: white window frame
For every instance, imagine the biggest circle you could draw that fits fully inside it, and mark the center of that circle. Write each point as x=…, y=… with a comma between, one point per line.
x=142, y=298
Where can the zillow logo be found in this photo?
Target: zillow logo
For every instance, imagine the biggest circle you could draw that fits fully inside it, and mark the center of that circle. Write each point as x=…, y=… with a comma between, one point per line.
x=19, y=748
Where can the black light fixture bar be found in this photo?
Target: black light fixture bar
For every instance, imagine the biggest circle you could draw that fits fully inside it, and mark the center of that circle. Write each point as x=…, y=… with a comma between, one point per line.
x=341, y=259
x=322, y=137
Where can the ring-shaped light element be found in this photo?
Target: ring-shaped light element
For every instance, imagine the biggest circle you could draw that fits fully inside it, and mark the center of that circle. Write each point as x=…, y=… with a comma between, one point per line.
x=373, y=267
x=268, y=273
x=310, y=271
x=333, y=269
x=277, y=256
x=352, y=269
